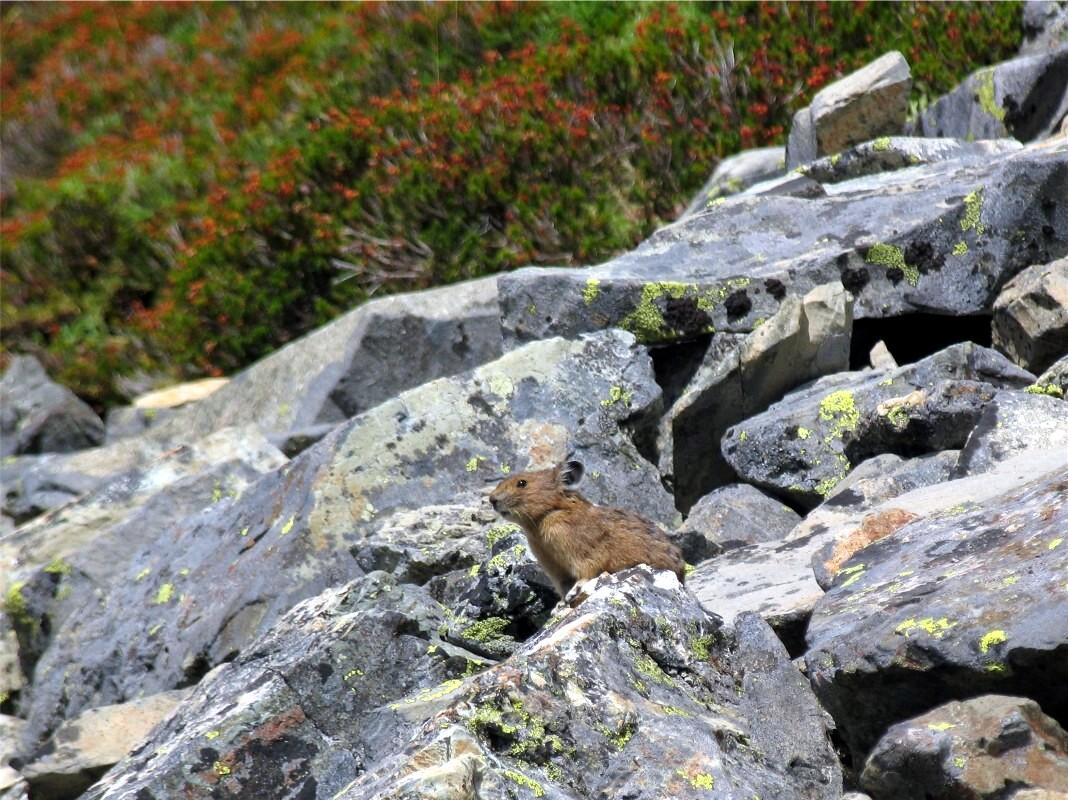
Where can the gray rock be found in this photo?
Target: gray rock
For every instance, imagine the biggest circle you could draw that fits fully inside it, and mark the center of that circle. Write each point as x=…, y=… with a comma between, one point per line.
x=792, y=184
x=124, y=422
x=1054, y=381
x=354, y=363
x=950, y=606
x=338, y=683
x=38, y=415
x=870, y=102
x=738, y=172
x=1024, y=98
x=806, y=338
x=942, y=238
x=729, y=517
x=1011, y=424
x=880, y=357
x=901, y=152
x=1045, y=26
x=1031, y=316
x=979, y=748
x=214, y=581
x=637, y=693
x=83, y=749
x=805, y=444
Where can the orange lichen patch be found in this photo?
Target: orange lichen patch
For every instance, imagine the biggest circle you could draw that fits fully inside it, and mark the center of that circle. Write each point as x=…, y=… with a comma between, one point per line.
x=872, y=529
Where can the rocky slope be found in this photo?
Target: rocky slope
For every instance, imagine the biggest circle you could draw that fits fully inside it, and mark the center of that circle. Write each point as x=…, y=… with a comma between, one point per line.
x=294, y=588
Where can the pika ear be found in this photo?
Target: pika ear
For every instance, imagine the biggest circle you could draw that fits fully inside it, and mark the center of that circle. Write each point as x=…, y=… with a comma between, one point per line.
x=571, y=472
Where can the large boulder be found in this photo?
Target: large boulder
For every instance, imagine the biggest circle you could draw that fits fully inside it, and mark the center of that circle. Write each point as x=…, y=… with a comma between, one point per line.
x=808, y=337
x=1031, y=316
x=1025, y=98
x=1054, y=381
x=204, y=588
x=355, y=362
x=739, y=172
x=38, y=415
x=868, y=103
x=638, y=693
x=805, y=444
x=338, y=683
x=1013, y=423
x=979, y=749
x=949, y=606
x=940, y=238
x=729, y=517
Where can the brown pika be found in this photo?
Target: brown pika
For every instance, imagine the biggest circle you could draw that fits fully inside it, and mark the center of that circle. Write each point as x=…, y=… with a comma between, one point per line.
x=573, y=539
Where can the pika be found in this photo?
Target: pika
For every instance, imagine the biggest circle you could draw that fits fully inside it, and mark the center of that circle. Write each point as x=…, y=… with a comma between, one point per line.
x=573, y=539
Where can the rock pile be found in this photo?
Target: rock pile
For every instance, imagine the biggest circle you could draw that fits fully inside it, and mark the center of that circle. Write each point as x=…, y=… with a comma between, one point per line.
x=294, y=588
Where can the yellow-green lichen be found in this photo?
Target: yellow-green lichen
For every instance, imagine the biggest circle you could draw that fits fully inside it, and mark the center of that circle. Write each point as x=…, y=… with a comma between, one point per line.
x=973, y=207
x=936, y=628
x=941, y=726
x=57, y=566
x=688, y=569
x=675, y=711
x=984, y=93
x=155, y=629
x=1010, y=580
x=839, y=409
x=221, y=769
x=1053, y=545
x=15, y=604
x=646, y=321
x=474, y=570
x=212, y=735
x=959, y=762
x=855, y=574
x=1049, y=389
x=645, y=665
x=700, y=780
x=522, y=780
x=881, y=144
x=835, y=159
x=898, y=416
x=892, y=257
x=501, y=385
x=618, y=737
x=960, y=248
x=803, y=433
x=473, y=463
x=501, y=560
x=140, y=576
x=995, y=667
x=593, y=288
x=487, y=630
x=701, y=647
x=617, y=394
x=289, y=525
x=217, y=492
x=990, y=639
x=498, y=532
x=164, y=595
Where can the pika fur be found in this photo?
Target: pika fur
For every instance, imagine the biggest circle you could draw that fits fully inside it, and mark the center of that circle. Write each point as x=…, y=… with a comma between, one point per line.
x=573, y=539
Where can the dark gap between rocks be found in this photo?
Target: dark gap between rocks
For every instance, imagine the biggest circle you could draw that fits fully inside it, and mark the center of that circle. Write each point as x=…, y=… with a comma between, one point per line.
x=675, y=364
x=914, y=336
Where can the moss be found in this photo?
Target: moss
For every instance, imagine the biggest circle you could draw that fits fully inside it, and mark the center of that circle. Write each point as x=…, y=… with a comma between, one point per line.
x=882, y=144
x=164, y=595
x=617, y=394
x=984, y=93
x=973, y=207
x=486, y=630
x=960, y=248
x=522, y=780
x=892, y=257
x=1049, y=389
x=990, y=639
x=593, y=288
x=840, y=410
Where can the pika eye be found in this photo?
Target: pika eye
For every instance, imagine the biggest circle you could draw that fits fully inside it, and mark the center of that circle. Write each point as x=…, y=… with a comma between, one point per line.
x=521, y=484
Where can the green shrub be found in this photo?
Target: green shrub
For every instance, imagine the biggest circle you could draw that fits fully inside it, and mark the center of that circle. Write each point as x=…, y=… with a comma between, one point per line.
x=198, y=184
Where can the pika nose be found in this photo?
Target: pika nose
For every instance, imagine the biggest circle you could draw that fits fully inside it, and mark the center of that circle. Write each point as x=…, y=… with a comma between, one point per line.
x=493, y=502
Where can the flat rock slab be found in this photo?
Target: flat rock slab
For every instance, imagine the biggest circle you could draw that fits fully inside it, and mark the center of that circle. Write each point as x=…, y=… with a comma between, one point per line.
x=1011, y=424
x=637, y=693
x=340, y=681
x=207, y=586
x=805, y=444
x=979, y=748
x=949, y=606
x=1025, y=98
x=942, y=239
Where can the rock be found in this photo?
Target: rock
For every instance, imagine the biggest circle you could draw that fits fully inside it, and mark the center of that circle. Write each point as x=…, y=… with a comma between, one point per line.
x=789, y=185
x=880, y=357
x=1045, y=26
x=38, y=415
x=124, y=422
x=952, y=605
x=1031, y=316
x=805, y=444
x=63, y=562
x=1013, y=423
x=354, y=363
x=1054, y=381
x=870, y=102
x=806, y=338
x=217, y=579
x=1024, y=98
x=729, y=517
x=738, y=172
x=900, y=152
x=10, y=730
x=980, y=748
x=83, y=749
x=637, y=693
x=180, y=394
x=338, y=683
x=940, y=238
